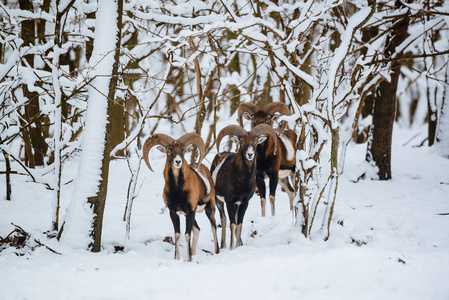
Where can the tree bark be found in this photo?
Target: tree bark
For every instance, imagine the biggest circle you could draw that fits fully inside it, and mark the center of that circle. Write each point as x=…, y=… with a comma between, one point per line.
x=442, y=132
x=334, y=182
x=201, y=114
x=41, y=23
x=98, y=201
x=117, y=123
x=432, y=106
x=55, y=68
x=84, y=218
x=8, y=176
x=379, y=146
x=32, y=110
x=432, y=114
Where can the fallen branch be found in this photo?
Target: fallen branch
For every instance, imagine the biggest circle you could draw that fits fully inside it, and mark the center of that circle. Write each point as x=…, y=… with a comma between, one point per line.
x=19, y=239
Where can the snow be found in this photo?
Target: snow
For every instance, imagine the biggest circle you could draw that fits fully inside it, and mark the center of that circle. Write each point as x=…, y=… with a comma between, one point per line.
x=400, y=225
x=340, y=54
x=179, y=20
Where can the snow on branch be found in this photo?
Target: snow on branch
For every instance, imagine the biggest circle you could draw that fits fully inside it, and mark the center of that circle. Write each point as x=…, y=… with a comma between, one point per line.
x=355, y=22
x=186, y=21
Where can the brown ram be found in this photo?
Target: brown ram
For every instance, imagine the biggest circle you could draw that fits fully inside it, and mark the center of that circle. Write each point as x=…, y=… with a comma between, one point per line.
x=234, y=175
x=276, y=157
x=188, y=188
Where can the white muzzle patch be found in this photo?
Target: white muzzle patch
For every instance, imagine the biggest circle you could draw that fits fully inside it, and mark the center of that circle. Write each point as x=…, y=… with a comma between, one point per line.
x=177, y=162
x=250, y=154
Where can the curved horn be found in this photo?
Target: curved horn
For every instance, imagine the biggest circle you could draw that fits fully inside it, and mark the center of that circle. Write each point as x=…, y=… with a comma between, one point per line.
x=194, y=139
x=265, y=129
x=274, y=107
x=246, y=107
x=156, y=139
x=229, y=130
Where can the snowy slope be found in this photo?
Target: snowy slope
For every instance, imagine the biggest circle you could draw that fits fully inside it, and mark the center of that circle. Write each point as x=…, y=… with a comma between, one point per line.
x=392, y=242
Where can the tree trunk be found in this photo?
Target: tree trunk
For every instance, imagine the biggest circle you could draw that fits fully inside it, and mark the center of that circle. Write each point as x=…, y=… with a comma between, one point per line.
x=42, y=22
x=55, y=68
x=98, y=201
x=432, y=114
x=32, y=110
x=379, y=146
x=334, y=183
x=117, y=124
x=201, y=114
x=84, y=219
x=8, y=175
x=432, y=106
x=442, y=132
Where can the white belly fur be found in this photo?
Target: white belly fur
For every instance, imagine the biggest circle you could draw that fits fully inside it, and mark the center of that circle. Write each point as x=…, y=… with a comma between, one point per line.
x=200, y=208
x=284, y=173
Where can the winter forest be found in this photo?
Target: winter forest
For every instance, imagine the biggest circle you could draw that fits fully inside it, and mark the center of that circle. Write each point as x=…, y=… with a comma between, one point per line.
x=322, y=128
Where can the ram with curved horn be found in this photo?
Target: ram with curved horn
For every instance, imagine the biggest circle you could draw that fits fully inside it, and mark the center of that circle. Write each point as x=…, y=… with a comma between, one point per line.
x=276, y=157
x=188, y=188
x=234, y=175
x=266, y=115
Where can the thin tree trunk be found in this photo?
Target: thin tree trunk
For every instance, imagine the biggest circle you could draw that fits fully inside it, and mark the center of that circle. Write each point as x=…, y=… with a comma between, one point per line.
x=302, y=217
x=432, y=116
x=32, y=110
x=379, y=146
x=442, y=133
x=42, y=22
x=117, y=124
x=8, y=175
x=382, y=128
x=305, y=210
x=201, y=114
x=334, y=182
x=432, y=109
x=55, y=67
x=57, y=139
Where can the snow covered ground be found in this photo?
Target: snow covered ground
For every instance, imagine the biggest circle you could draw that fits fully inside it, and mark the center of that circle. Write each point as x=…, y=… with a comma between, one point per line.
x=392, y=242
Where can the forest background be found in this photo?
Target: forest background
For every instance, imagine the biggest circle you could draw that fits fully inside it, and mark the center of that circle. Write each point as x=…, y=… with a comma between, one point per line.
x=83, y=83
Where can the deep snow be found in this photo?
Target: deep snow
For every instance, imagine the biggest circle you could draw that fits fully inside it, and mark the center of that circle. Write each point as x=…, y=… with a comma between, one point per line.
x=401, y=225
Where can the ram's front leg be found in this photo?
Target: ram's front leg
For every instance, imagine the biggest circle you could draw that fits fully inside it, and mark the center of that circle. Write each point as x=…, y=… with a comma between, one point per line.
x=262, y=191
x=274, y=178
x=233, y=220
x=196, y=235
x=177, y=226
x=210, y=213
x=190, y=220
x=240, y=216
x=220, y=205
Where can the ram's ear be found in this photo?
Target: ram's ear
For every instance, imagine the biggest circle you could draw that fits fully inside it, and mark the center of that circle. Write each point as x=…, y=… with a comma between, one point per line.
x=161, y=148
x=262, y=138
x=188, y=148
x=247, y=115
x=235, y=139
